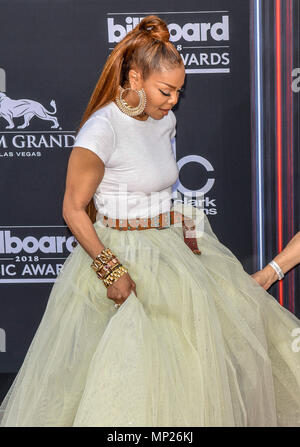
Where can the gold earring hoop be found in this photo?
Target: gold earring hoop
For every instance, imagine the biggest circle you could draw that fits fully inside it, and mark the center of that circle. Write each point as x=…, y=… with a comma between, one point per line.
x=126, y=108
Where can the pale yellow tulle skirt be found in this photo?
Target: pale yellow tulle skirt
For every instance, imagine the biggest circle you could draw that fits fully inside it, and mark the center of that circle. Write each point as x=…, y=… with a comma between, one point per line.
x=202, y=345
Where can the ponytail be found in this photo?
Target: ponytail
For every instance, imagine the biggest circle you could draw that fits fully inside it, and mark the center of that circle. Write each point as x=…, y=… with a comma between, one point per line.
x=145, y=47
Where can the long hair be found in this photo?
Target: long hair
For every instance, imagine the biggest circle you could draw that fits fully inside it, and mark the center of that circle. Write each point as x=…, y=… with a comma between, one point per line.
x=147, y=48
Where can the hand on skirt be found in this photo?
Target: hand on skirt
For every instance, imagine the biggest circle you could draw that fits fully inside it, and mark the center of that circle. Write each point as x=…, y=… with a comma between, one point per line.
x=265, y=277
x=120, y=290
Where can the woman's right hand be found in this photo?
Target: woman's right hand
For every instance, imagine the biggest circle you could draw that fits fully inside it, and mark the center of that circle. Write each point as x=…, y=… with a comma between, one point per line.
x=120, y=290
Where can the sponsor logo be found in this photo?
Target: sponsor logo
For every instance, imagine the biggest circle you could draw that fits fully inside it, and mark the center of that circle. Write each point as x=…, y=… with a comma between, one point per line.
x=27, y=109
x=2, y=80
x=195, y=197
x=296, y=80
x=33, y=254
x=19, y=114
x=296, y=342
x=202, y=38
x=2, y=340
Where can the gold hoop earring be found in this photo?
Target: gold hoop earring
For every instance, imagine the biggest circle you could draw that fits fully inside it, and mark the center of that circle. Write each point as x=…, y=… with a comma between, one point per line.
x=126, y=108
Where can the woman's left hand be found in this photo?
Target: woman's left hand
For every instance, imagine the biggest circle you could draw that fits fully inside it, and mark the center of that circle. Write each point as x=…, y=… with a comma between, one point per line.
x=265, y=277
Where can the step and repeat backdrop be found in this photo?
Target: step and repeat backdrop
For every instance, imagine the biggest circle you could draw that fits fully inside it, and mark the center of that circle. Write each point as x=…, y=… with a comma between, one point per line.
x=51, y=55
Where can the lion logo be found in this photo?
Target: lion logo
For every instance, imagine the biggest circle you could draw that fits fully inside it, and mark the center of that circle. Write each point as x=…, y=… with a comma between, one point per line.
x=13, y=108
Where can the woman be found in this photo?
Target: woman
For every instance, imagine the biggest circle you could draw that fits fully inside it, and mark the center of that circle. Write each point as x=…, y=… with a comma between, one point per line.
x=275, y=270
x=194, y=340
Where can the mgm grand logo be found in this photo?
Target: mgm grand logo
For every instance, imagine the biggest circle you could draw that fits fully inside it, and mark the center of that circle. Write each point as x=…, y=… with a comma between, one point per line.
x=16, y=142
x=27, y=109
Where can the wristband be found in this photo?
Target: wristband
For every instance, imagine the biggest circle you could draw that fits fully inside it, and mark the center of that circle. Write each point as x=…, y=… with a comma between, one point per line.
x=277, y=269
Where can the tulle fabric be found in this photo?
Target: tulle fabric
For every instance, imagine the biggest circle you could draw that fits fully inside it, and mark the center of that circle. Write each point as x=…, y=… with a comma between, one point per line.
x=201, y=345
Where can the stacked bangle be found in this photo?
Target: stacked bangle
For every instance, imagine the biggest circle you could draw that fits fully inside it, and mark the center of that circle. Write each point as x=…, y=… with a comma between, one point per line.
x=107, y=267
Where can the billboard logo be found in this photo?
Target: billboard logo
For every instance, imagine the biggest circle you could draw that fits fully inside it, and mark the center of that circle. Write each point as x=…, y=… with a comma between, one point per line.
x=189, y=32
x=201, y=37
x=26, y=257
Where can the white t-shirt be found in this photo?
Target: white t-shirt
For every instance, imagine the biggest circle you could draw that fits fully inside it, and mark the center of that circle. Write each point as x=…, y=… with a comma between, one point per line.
x=140, y=167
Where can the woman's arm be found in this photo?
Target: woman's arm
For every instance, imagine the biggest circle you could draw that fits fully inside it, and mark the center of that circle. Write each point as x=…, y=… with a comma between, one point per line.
x=84, y=174
x=287, y=259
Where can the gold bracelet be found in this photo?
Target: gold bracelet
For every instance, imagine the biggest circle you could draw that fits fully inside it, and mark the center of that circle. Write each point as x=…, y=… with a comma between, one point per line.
x=106, y=270
x=98, y=264
x=103, y=258
x=114, y=275
x=105, y=255
x=105, y=264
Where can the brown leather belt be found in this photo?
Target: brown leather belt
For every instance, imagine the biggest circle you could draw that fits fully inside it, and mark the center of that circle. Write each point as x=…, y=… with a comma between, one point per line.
x=161, y=221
